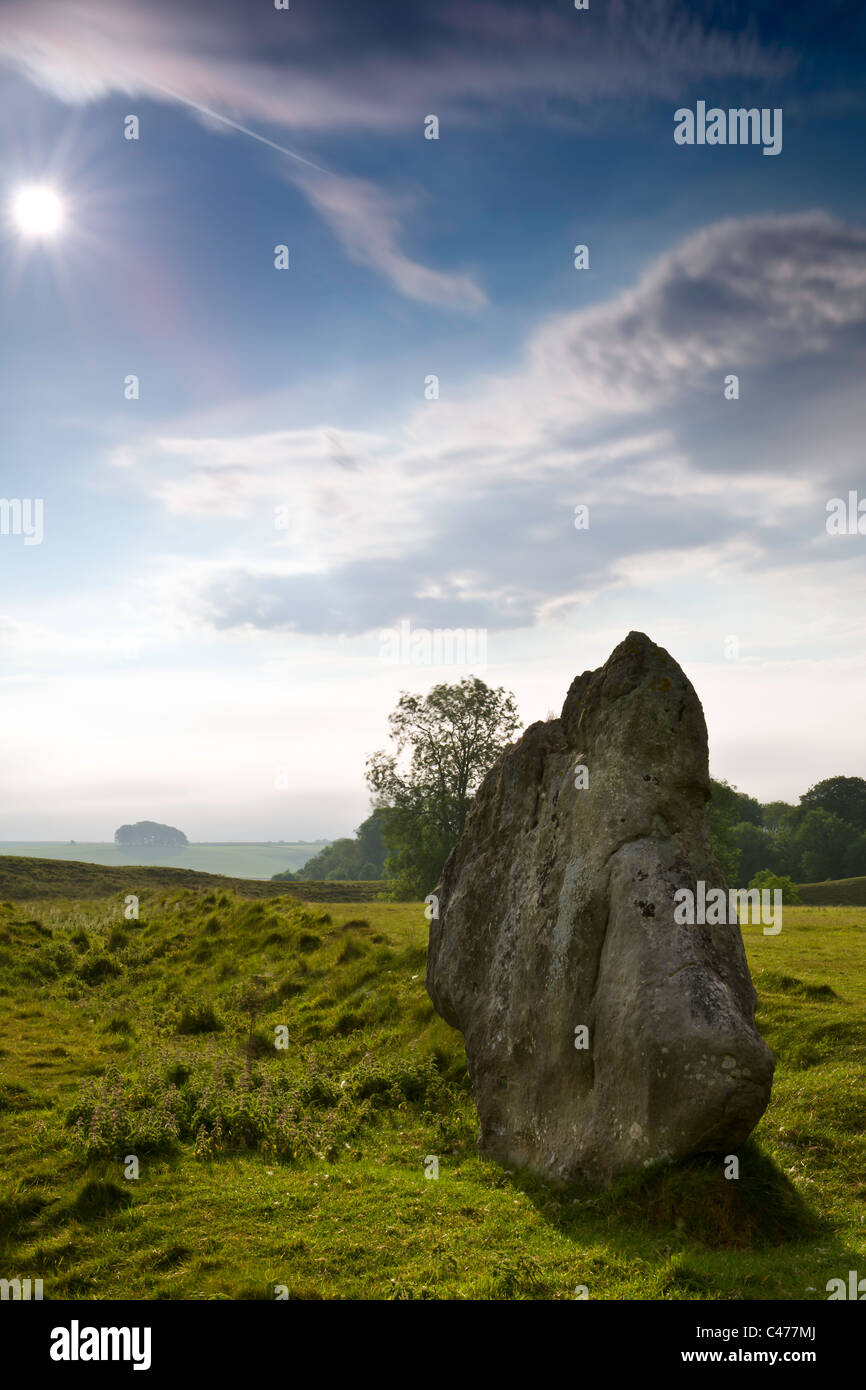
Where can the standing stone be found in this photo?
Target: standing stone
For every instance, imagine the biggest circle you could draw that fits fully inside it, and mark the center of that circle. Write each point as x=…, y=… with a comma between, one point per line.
x=556, y=915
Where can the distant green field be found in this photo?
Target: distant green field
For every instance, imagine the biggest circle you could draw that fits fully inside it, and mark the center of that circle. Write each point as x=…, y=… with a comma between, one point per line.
x=840, y=892
x=235, y=860
x=304, y=1167
x=22, y=878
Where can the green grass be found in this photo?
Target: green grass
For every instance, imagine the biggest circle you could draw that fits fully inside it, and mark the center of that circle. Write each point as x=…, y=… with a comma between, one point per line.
x=839, y=892
x=303, y=1167
x=24, y=878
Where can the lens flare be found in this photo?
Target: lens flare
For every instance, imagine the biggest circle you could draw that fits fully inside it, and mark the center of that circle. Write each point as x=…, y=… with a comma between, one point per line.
x=37, y=212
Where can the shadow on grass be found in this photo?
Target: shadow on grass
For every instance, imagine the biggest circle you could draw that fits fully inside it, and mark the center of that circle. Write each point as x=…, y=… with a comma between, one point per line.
x=98, y=1199
x=26, y=1217
x=691, y=1200
x=16, y=1213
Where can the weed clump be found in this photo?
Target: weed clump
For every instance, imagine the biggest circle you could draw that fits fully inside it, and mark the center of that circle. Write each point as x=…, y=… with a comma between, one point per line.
x=198, y=1018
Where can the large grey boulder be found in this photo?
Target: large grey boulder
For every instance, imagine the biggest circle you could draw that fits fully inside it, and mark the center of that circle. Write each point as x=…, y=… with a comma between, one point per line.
x=556, y=914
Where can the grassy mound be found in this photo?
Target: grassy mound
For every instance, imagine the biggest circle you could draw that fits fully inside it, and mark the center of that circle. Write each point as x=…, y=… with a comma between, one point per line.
x=840, y=892
x=22, y=878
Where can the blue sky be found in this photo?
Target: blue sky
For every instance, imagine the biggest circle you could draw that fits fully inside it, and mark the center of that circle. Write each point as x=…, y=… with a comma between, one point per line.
x=168, y=651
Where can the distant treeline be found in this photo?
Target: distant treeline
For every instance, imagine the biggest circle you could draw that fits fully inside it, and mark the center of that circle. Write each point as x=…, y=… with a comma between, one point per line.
x=824, y=837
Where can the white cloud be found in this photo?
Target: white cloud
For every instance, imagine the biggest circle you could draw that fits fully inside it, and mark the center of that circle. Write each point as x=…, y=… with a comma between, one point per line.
x=367, y=222
x=735, y=295
x=333, y=70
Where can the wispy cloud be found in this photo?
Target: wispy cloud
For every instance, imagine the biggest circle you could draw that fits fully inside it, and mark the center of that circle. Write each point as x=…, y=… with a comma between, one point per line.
x=368, y=223
x=335, y=69
x=463, y=515
x=313, y=73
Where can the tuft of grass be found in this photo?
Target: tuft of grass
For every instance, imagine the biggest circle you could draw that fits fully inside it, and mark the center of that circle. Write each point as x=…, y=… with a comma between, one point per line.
x=100, y=1198
x=119, y=1023
x=14, y=1096
x=308, y=942
x=16, y=1212
x=96, y=967
x=198, y=1018
x=352, y=950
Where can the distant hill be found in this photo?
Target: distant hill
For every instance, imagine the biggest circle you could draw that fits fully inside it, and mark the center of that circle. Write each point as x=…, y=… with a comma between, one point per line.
x=838, y=892
x=25, y=878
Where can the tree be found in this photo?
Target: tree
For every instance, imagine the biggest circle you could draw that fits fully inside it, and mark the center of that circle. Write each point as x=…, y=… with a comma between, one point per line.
x=788, y=852
x=749, y=809
x=771, y=881
x=723, y=814
x=854, y=864
x=151, y=834
x=844, y=797
x=451, y=737
x=779, y=815
x=360, y=858
x=756, y=849
x=824, y=842
x=821, y=838
x=371, y=847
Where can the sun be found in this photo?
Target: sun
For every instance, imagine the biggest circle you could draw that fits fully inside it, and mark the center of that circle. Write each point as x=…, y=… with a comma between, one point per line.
x=37, y=211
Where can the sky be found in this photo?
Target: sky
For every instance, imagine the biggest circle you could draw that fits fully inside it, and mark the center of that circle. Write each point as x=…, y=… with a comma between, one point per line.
x=398, y=426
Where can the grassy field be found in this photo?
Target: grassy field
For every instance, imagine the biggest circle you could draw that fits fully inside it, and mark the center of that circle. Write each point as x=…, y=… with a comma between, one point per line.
x=25, y=878
x=303, y=1168
x=232, y=860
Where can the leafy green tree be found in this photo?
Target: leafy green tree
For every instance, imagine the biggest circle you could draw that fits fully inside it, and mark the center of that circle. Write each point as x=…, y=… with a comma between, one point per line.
x=757, y=849
x=779, y=815
x=806, y=843
x=446, y=742
x=749, y=810
x=788, y=845
x=722, y=814
x=824, y=842
x=767, y=879
x=340, y=859
x=371, y=847
x=854, y=864
x=844, y=797
x=360, y=858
